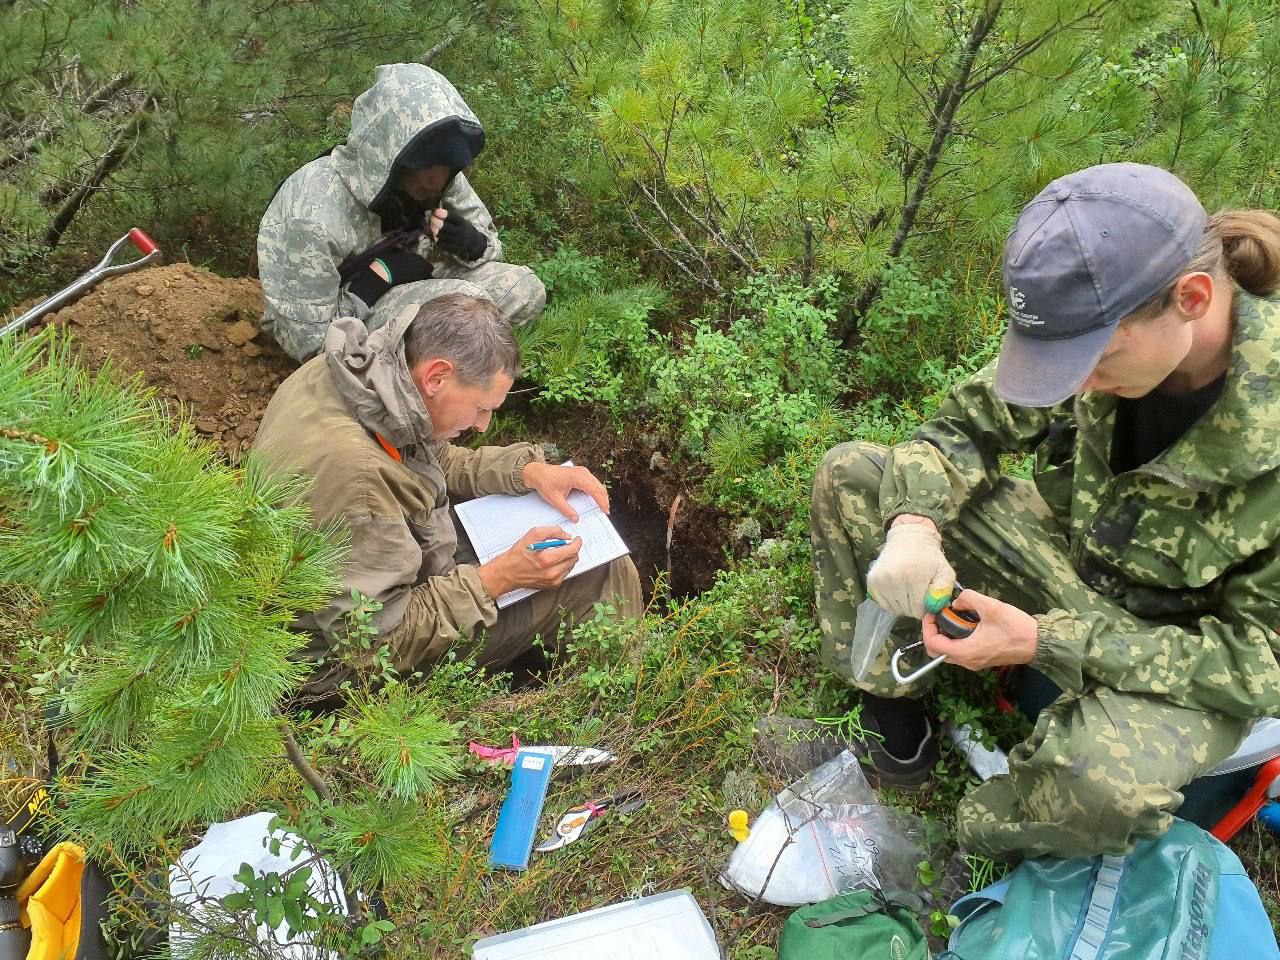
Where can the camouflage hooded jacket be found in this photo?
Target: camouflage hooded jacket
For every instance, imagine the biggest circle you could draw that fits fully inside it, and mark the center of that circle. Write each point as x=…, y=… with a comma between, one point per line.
x=1189, y=543
x=322, y=214
x=328, y=421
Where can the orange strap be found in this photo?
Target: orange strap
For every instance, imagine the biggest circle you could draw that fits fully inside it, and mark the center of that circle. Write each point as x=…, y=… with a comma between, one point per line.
x=392, y=451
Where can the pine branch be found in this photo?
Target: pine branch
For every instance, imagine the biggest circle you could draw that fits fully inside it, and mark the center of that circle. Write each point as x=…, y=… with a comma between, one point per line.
x=705, y=278
x=94, y=102
x=50, y=446
x=406, y=745
x=301, y=763
x=124, y=142
x=708, y=225
x=439, y=48
x=944, y=114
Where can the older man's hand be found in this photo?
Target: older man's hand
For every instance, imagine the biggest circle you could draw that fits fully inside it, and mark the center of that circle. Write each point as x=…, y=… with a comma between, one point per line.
x=554, y=484
x=522, y=566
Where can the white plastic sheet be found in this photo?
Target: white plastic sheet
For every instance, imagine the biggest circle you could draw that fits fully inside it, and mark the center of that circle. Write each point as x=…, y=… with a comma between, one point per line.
x=208, y=871
x=669, y=926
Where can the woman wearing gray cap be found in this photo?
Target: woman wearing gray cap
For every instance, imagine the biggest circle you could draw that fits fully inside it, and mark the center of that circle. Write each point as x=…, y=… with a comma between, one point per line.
x=1140, y=569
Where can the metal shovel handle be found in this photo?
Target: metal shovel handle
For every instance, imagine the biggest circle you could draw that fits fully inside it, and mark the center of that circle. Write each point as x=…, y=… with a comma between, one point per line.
x=105, y=268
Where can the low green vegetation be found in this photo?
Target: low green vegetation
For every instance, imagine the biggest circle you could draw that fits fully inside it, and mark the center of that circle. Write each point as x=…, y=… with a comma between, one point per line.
x=765, y=228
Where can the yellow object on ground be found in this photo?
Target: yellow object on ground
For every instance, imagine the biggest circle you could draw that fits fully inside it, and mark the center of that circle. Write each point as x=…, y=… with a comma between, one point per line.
x=738, y=825
x=49, y=901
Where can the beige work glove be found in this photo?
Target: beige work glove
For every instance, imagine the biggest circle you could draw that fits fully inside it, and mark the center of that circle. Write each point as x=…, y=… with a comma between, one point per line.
x=911, y=577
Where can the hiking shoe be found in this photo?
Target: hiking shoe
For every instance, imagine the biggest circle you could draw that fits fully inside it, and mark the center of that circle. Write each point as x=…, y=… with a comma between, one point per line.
x=790, y=747
x=905, y=749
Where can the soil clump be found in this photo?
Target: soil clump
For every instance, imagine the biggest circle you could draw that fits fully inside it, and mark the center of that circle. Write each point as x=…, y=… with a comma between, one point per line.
x=191, y=335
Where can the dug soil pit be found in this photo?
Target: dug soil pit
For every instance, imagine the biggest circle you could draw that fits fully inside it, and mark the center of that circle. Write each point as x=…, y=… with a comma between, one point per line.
x=669, y=535
x=191, y=335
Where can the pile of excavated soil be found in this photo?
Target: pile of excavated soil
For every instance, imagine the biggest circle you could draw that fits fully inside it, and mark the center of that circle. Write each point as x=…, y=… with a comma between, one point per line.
x=193, y=336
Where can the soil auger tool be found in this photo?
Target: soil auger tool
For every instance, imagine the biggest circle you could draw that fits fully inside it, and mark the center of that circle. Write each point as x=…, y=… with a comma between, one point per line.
x=105, y=268
x=953, y=623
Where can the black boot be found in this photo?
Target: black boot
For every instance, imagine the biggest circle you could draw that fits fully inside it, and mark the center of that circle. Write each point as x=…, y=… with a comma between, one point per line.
x=906, y=749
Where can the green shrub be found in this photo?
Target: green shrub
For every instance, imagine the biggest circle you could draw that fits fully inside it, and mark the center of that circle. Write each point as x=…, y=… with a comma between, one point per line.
x=767, y=372
x=569, y=273
x=594, y=347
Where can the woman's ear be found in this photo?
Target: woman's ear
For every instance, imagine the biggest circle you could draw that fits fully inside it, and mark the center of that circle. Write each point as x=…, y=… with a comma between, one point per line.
x=1193, y=294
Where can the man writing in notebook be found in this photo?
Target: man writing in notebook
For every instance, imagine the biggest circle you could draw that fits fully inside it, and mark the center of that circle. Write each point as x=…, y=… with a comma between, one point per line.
x=371, y=420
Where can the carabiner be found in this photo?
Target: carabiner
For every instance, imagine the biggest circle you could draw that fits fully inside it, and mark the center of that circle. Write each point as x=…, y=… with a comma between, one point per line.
x=917, y=674
x=952, y=623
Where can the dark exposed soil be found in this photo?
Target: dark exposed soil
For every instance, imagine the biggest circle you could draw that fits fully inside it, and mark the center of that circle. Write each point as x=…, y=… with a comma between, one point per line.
x=194, y=337
x=641, y=502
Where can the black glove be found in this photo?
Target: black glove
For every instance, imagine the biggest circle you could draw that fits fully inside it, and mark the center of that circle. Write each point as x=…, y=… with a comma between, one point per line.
x=460, y=238
x=404, y=266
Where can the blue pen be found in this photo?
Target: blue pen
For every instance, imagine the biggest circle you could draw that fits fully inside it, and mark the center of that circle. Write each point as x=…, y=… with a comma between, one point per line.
x=548, y=544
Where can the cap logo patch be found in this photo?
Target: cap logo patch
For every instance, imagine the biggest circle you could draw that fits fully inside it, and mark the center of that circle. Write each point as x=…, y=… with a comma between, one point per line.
x=1018, y=310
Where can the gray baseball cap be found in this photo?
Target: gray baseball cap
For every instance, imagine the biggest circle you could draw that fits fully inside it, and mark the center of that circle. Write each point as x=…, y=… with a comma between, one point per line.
x=1090, y=249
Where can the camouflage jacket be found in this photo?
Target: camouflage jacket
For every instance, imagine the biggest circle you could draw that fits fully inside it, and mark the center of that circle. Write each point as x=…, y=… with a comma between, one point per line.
x=325, y=422
x=321, y=214
x=1189, y=543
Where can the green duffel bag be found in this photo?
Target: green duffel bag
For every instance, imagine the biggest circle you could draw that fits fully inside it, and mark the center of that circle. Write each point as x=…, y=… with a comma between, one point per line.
x=866, y=924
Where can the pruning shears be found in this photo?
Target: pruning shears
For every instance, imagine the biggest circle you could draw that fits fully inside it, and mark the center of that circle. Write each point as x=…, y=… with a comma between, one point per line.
x=953, y=623
x=582, y=819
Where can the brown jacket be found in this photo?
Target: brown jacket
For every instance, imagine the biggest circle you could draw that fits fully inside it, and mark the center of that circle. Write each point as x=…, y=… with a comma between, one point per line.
x=324, y=422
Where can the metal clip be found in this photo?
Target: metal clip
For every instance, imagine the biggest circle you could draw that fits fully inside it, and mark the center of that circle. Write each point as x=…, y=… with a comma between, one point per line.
x=916, y=674
x=952, y=623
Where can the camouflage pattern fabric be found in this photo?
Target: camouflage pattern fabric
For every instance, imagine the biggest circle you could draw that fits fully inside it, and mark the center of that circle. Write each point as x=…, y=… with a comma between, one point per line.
x=1157, y=591
x=321, y=215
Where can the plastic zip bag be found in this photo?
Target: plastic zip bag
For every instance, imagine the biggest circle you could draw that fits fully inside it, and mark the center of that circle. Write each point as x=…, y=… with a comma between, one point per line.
x=871, y=627
x=825, y=835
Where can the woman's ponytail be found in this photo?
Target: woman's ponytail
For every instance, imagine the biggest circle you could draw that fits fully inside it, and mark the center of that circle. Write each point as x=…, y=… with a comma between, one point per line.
x=1250, y=248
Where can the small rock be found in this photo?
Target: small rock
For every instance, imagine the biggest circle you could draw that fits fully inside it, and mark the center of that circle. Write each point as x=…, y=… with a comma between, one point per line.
x=240, y=333
x=551, y=451
x=771, y=548
x=208, y=425
x=251, y=349
x=237, y=375
x=658, y=461
x=748, y=528
x=766, y=545
x=144, y=289
x=209, y=341
x=246, y=430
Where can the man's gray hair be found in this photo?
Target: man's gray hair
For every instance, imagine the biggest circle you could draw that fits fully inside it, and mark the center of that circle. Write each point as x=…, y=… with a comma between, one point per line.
x=469, y=332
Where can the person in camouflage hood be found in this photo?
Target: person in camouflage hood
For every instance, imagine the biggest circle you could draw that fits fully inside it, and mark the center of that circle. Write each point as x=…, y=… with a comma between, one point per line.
x=389, y=207
x=371, y=420
x=1139, y=570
